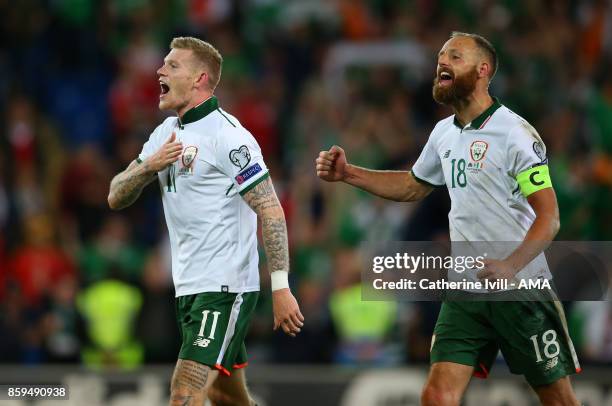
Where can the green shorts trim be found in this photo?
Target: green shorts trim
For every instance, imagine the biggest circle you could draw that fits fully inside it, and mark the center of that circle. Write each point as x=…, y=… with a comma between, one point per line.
x=213, y=326
x=532, y=337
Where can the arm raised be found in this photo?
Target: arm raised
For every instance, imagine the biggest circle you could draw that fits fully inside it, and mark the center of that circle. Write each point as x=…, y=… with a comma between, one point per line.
x=127, y=185
x=400, y=186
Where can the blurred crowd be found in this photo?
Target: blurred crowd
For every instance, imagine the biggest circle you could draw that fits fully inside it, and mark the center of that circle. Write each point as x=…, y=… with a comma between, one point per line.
x=80, y=283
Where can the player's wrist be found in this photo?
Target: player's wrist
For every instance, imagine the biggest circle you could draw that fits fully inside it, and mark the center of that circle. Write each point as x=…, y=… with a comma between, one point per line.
x=348, y=173
x=149, y=165
x=279, y=280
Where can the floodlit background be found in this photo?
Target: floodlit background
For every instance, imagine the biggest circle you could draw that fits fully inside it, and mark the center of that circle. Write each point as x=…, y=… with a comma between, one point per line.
x=86, y=289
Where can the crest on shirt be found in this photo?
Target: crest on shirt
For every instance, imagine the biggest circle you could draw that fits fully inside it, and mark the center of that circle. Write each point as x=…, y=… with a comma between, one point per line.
x=188, y=158
x=240, y=157
x=478, y=149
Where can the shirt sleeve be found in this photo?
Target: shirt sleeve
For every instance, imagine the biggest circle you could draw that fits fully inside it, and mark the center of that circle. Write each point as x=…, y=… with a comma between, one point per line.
x=428, y=168
x=239, y=157
x=525, y=149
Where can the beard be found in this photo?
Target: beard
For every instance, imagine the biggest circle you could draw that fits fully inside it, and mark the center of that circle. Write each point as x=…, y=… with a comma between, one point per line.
x=458, y=91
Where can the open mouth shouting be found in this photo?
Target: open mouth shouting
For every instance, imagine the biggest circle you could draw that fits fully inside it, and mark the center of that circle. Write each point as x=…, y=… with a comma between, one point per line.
x=445, y=78
x=164, y=89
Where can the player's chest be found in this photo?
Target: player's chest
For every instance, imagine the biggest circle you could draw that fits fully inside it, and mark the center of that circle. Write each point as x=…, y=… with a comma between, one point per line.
x=471, y=158
x=195, y=168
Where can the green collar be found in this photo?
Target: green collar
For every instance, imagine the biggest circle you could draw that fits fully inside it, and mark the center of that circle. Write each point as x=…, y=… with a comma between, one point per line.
x=479, y=121
x=200, y=111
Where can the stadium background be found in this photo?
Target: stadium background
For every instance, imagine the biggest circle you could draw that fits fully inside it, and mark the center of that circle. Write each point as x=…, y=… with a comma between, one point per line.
x=89, y=289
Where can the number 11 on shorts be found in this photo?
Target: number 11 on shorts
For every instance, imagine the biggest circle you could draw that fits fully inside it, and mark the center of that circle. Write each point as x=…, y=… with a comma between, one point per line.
x=214, y=325
x=549, y=339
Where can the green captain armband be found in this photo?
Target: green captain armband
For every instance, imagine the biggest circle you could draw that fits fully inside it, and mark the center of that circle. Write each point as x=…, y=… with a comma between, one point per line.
x=534, y=179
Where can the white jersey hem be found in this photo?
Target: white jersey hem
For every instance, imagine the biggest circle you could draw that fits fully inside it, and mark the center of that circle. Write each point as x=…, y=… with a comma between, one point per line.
x=195, y=292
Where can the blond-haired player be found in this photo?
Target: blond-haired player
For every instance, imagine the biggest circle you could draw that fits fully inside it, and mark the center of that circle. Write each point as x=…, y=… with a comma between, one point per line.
x=214, y=185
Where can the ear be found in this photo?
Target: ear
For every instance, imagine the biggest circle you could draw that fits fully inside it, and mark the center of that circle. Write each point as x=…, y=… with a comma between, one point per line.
x=484, y=69
x=201, y=80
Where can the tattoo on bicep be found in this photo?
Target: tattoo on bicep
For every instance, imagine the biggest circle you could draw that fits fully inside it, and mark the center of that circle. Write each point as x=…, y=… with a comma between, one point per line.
x=262, y=196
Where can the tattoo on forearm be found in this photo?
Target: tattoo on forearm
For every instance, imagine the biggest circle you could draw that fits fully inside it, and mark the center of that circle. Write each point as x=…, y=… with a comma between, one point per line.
x=127, y=185
x=274, y=229
x=274, y=232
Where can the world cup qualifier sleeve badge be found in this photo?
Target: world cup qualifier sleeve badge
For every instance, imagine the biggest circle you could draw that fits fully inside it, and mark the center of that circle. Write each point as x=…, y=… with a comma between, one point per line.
x=188, y=160
x=240, y=157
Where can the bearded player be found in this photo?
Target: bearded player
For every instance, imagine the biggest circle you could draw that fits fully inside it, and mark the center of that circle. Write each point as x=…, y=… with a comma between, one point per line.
x=495, y=168
x=214, y=186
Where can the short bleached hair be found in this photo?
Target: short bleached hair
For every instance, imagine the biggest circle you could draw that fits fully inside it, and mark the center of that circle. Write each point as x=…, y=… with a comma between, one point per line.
x=204, y=53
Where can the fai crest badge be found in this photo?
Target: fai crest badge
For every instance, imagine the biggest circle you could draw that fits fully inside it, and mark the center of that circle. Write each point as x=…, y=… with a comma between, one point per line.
x=478, y=149
x=188, y=158
x=240, y=157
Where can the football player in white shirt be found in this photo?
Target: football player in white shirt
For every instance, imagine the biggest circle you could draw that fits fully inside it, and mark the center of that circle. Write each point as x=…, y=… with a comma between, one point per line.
x=214, y=186
x=495, y=168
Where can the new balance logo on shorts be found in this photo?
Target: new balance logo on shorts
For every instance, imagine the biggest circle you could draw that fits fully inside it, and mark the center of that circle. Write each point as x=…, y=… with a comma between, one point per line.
x=551, y=363
x=201, y=342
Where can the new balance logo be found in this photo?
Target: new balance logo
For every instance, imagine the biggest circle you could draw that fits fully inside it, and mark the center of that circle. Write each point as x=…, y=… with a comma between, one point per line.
x=447, y=154
x=551, y=363
x=201, y=342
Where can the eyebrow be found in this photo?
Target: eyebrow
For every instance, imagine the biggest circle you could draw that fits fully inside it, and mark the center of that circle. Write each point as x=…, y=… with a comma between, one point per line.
x=450, y=51
x=170, y=60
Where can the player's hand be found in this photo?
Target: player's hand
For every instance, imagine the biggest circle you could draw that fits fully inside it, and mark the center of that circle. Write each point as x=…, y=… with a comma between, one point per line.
x=331, y=165
x=286, y=311
x=495, y=269
x=166, y=155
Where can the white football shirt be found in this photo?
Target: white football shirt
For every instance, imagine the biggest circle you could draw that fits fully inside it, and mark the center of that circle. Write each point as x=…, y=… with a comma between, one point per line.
x=213, y=232
x=479, y=163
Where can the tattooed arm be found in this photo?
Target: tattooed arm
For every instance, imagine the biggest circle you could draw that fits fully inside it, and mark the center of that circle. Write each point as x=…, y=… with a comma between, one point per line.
x=262, y=199
x=127, y=185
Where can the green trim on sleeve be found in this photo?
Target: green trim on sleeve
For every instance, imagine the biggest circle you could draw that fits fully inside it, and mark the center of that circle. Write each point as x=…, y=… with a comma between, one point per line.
x=534, y=179
x=252, y=185
x=138, y=160
x=423, y=181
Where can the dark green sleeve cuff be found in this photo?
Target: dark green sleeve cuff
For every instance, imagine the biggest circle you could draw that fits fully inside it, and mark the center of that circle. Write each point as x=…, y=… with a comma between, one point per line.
x=252, y=185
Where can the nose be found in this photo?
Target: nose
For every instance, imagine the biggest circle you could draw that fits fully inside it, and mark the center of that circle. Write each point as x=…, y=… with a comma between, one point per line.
x=443, y=60
x=160, y=71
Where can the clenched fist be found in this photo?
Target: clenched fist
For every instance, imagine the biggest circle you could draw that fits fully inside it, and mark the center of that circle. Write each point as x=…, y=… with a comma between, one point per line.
x=167, y=154
x=331, y=165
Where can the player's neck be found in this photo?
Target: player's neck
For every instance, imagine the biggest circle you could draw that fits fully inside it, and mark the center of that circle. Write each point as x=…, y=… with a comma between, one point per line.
x=467, y=110
x=195, y=101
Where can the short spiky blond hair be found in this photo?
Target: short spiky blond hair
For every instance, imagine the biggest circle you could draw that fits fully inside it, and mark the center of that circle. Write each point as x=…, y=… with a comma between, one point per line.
x=205, y=53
